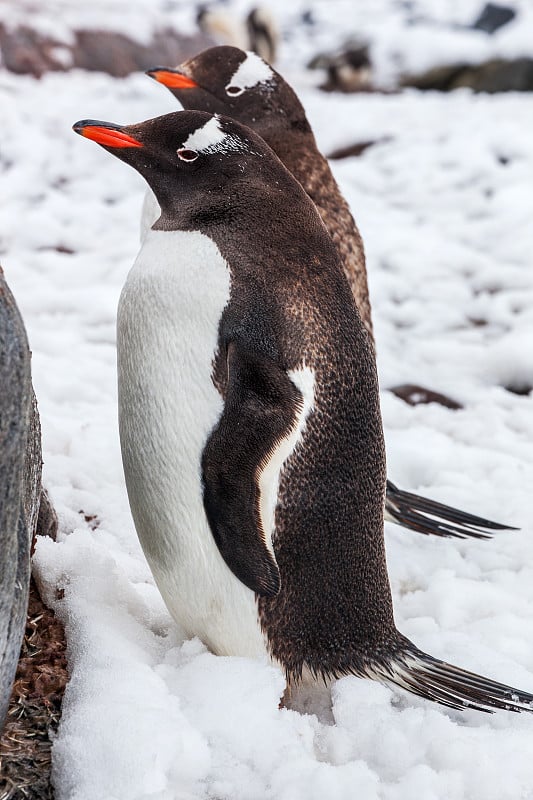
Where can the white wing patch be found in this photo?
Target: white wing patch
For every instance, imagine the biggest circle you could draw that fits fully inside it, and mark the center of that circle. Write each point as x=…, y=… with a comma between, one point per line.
x=304, y=380
x=210, y=138
x=252, y=71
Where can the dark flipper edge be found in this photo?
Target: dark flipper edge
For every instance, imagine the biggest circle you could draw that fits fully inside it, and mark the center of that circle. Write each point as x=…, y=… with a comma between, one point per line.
x=260, y=409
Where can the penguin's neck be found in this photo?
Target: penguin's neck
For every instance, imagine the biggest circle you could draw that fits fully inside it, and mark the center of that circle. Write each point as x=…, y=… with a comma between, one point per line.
x=172, y=255
x=165, y=309
x=299, y=153
x=293, y=147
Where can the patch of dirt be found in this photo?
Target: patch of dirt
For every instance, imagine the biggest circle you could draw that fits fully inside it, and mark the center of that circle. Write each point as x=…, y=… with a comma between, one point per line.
x=523, y=389
x=35, y=707
x=92, y=521
x=58, y=248
x=417, y=395
x=357, y=149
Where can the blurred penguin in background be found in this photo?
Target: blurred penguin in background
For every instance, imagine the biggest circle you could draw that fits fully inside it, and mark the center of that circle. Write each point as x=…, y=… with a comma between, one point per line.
x=258, y=32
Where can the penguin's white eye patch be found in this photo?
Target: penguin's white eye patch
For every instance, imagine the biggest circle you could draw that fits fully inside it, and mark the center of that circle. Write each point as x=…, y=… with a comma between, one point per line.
x=211, y=138
x=233, y=90
x=186, y=154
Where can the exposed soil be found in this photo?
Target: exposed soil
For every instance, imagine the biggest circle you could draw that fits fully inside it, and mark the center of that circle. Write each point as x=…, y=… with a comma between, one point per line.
x=417, y=395
x=35, y=706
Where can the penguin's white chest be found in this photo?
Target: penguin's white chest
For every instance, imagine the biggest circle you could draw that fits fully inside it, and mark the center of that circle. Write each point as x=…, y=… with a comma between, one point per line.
x=168, y=318
x=150, y=213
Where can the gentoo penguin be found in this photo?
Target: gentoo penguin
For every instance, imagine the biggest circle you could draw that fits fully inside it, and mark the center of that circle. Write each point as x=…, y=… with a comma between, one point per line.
x=263, y=34
x=349, y=69
x=222, y=26
x=241, y=85
x=249, y=419
x=258, y=32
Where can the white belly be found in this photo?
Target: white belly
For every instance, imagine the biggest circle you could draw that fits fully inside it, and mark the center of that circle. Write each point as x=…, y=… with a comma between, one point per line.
x=168, y=319
x=150, y=213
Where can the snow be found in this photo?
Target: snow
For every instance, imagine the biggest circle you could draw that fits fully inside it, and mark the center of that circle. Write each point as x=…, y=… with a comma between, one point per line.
x=445, y=206
x=138, y=20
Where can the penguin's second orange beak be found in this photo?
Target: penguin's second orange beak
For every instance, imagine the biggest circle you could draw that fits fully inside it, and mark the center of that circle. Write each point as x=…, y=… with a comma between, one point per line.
x=172, y=78
x=105, y=133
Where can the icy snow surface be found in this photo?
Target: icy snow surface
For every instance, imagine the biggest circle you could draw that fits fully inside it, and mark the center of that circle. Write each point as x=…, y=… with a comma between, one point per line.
x=445, y=206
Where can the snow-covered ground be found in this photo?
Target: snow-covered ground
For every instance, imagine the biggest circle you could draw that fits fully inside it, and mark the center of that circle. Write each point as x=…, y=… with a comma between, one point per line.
x=445, y=207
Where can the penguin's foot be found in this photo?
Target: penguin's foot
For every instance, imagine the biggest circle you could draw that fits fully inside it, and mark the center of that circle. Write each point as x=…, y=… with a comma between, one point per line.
x=451, y=686
x=285, y=700
x=309, y=697
x=426, y=516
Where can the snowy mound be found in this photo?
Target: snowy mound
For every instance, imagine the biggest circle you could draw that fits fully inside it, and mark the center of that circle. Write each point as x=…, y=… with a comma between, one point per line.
x=444, y=205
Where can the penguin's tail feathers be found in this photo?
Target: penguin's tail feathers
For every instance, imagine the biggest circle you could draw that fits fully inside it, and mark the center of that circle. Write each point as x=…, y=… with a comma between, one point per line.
x=428, y=677
x=429, y=517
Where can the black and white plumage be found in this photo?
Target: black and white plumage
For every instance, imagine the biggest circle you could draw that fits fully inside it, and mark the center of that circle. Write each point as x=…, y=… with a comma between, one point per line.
x=258, y=32
x=241, y=85
x=248, y=404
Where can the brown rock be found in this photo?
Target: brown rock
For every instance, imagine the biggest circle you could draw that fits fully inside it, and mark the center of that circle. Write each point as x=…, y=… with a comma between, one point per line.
x=116, y=54
x=415, y=395
x=25, y=51
x=20, y=484
x=496, y=75
x=355, y=150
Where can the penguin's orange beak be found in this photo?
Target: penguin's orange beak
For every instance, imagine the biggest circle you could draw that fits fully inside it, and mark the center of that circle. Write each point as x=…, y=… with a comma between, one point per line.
x=105, y=133
x=172, y=78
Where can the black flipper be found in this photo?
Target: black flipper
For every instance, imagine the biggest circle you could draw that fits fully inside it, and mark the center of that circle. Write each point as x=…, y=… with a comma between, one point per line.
x=260, y=409
x=433, y=679
x=426, y=516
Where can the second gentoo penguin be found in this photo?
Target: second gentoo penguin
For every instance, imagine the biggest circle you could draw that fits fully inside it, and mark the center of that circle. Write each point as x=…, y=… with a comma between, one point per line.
x=249, y=419
x=258, y=32
x=241, y=85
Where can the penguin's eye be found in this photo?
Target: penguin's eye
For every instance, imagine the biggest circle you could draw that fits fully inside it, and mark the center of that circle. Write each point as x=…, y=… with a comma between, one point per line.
x=234, y=91
x=187, y=155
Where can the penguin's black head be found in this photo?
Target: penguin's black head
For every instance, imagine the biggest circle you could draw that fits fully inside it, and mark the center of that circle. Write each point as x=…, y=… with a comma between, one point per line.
x=196, y=163
x=239, y=84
